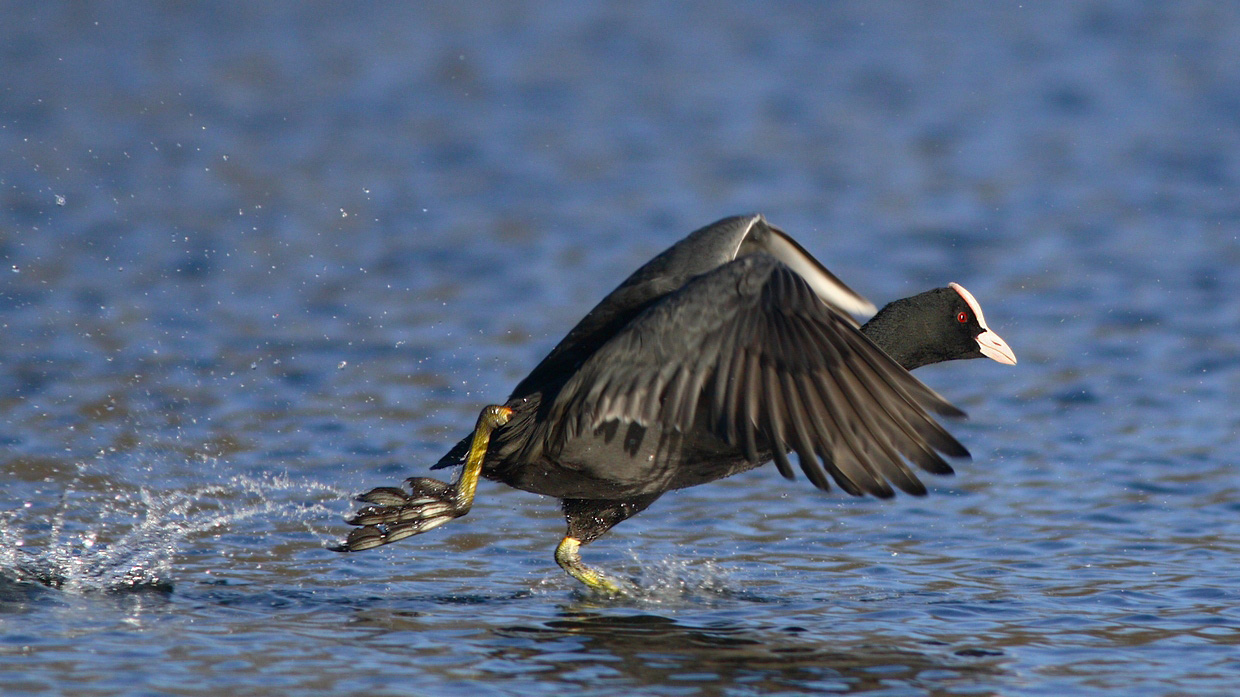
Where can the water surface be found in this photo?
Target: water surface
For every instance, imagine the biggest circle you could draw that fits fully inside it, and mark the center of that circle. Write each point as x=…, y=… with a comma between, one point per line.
x=256, y=260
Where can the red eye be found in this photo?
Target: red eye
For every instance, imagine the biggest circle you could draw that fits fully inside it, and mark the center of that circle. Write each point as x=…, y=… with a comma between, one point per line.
x=962, y=317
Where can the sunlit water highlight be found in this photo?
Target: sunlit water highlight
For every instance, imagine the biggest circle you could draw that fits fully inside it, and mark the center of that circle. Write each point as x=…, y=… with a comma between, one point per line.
x=127, y=536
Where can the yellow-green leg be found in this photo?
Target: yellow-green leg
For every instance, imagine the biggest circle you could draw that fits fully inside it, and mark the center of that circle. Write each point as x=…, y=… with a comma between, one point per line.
x=491, y=418
x=395, y=514
x=587, y=520
x=569, y=559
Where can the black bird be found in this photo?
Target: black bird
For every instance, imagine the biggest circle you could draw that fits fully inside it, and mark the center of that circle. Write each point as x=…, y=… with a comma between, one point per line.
x=732, y=348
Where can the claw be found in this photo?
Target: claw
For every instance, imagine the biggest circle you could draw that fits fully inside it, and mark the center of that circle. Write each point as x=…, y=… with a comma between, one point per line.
x=430, y=510
x=362, y=538
x=367, y=516
x=385, y=496
x=425, y=486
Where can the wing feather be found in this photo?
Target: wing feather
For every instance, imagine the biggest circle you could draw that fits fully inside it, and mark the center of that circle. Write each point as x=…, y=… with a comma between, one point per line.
x=751, y=418
x=750, y=353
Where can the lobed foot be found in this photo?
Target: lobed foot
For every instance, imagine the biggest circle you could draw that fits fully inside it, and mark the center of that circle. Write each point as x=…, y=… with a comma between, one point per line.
x=395, y=514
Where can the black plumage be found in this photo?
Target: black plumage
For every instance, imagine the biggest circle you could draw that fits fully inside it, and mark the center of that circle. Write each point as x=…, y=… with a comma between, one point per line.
x=732, y=348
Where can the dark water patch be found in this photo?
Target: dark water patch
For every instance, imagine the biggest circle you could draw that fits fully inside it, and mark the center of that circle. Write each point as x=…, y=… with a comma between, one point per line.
x=653, y=650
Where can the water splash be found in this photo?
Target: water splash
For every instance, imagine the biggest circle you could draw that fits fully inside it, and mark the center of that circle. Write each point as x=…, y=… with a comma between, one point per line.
x=676, y=578
x=662, y=582
x=116, y=537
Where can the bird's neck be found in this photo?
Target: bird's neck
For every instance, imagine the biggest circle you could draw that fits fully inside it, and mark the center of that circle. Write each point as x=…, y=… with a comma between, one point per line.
x=895, y=329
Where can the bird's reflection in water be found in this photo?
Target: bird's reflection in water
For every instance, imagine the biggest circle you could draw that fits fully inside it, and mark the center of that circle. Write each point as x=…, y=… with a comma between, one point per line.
x=641, y=650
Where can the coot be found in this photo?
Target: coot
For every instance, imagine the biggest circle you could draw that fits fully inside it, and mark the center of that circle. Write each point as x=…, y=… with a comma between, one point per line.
x=733, y=348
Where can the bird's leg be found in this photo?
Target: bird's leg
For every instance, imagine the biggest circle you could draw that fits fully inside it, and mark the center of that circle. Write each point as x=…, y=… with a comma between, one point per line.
x=569, y=559
x=491, y=418
x=588, y=519
x=394, y=514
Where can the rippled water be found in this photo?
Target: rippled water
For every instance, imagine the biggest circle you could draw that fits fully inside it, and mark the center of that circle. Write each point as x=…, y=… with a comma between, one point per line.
x=256, y=260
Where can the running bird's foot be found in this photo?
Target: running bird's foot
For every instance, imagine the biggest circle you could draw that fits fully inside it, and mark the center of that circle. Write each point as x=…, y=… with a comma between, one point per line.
x=568, y=556
x=395, y=514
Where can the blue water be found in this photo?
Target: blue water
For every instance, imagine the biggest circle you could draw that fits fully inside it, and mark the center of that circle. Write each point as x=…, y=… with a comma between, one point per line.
x=255, y=259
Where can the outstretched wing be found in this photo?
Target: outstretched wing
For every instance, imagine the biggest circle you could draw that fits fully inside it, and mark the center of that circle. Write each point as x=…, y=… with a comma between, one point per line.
x=750, y=352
